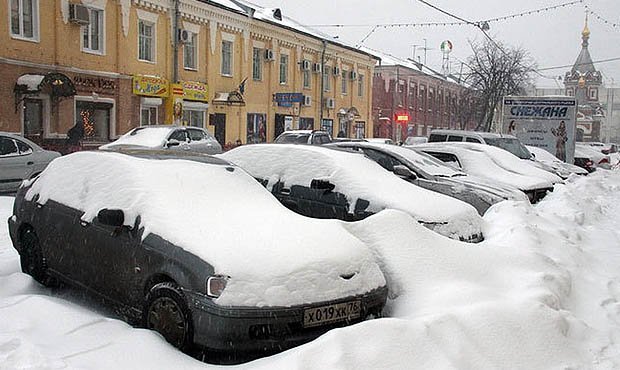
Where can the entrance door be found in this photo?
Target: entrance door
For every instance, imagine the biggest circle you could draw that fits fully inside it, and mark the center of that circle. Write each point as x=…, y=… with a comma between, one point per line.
x=219, y=121
x=33, y=119
x=279, y=125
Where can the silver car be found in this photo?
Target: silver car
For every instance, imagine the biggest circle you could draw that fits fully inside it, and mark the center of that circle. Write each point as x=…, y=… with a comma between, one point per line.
x=160, y=137
x=20, y=159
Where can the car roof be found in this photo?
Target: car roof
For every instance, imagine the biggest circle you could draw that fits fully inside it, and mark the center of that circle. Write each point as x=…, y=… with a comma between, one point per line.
x=481, y=134
x=167, y=154
x=18, y=136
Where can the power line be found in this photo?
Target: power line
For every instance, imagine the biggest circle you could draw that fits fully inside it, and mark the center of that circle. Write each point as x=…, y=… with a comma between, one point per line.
x=598, y=17
x=446, y=12
x=580, y=64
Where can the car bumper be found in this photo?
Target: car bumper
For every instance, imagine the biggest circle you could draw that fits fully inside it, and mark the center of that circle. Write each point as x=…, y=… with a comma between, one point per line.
x=266, y=329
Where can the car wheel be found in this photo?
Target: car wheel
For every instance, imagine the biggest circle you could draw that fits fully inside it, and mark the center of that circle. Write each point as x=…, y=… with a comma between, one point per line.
x=31, y=258
x=166, y=312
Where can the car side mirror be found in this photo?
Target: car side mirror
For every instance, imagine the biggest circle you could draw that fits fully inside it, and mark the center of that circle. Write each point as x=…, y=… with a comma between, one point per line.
x=111, y=217
x=172, y=142
x=319, y=184
x=402, y=171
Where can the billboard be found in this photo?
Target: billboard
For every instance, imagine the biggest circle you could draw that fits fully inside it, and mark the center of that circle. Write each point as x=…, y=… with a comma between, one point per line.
x=546, y=122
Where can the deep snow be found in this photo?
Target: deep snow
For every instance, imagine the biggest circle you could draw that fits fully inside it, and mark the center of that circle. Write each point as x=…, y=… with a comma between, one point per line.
x=541, y=292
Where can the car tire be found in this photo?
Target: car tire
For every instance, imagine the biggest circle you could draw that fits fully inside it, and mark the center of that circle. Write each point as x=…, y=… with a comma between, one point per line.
x=31, y=258
x=166, y=312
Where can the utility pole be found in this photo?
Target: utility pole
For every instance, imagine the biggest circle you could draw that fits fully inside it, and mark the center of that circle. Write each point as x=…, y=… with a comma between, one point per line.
x=175, y=42
x=321, y=103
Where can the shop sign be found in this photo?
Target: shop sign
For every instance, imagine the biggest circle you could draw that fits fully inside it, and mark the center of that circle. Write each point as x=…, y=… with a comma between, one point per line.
x=150, y=86
x=94, y=83
x=287, y=99
x=196, y=91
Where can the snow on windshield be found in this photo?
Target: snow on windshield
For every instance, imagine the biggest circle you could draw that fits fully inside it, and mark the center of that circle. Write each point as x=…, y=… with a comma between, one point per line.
x=514, y=146
x=151, y=137
x=358, y=178
x=221, y=214
x=427, y=163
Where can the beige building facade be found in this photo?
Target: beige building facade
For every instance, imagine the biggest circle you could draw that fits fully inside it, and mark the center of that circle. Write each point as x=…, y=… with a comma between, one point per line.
x=79, y=73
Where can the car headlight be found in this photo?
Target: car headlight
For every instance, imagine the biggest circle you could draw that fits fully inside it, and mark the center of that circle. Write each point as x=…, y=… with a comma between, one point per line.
x=216, y=285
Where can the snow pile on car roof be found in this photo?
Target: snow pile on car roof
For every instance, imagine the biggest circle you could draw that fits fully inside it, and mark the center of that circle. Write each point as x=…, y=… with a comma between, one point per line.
x=359, y=178
x=222, y=215
x=150, y=137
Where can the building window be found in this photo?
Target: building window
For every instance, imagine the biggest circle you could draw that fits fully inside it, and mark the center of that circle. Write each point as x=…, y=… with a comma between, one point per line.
x=93, y=121
x=146, y=41
x=25, y=18
x=190, y=52
x=92, y=34
x=327, y=81
x=227, y=50
x=194, y=118
x=148, y=115
x=306, y=76
x=257, y=64
x=360, y=85
x=283, y=69
x=345, y=82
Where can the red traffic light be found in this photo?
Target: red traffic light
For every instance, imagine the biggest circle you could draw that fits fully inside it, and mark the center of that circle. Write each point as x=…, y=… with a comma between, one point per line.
x=402, y=117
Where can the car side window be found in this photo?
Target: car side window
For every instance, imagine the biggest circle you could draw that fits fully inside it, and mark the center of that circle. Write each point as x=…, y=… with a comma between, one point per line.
x=23, y=147
x=179, y=135
x=455, y=138
x=196, y=135
x=386, y=161
x=324, y=139
x=316, y=139
x=472, y=140
x=8, y=147
x=447, y=158
x=435, y=138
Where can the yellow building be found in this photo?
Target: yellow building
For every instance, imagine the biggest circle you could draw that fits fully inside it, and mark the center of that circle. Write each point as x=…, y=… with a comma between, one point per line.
x=81, y=73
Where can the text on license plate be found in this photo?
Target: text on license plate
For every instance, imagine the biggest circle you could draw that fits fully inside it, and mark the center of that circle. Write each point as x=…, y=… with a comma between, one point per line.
x=331, y=313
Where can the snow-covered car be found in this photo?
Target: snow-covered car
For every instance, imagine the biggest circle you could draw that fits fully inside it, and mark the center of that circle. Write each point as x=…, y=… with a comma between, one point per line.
x=562, y=168
x=413, y=140
x=310, y=137
x=324, y=182
x=430, y=173
x=167, y=137
x=195, y=248
x=585, y=152
x=20, y=159
x=495, y=165
x=379, y=140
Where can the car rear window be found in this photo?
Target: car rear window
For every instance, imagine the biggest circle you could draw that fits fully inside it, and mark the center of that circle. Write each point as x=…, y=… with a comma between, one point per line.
x=437, y=138
x=455, y=138
x=293, y=139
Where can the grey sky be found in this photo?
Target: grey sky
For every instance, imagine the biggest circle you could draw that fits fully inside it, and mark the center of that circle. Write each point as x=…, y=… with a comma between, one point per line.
x=553, y=38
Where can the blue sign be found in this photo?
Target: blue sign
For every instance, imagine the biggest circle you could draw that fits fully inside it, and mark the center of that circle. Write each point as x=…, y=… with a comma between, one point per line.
x=287, y=99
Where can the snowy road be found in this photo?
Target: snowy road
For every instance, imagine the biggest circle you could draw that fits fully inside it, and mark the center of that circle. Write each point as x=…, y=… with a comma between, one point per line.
x=543, y=291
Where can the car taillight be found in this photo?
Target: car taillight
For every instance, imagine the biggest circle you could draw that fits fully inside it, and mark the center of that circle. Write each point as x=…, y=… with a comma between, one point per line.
x=604, y=160
x=216, y=285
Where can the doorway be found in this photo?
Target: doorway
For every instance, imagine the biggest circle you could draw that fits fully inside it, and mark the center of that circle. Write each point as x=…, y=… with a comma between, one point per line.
x=219, y=121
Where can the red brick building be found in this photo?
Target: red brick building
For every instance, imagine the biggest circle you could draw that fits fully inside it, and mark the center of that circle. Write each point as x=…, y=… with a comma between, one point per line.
x=410, y=99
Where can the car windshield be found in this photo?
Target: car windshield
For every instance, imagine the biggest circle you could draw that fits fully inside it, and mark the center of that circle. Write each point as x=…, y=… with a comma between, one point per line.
x=429, y=164
x=293, y=139
x=512, y=145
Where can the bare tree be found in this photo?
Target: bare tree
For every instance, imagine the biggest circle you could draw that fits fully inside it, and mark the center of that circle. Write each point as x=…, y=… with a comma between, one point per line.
x=494, y=72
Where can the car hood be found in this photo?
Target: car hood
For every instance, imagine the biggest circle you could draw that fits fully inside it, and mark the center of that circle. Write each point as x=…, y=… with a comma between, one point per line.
x=222, y=215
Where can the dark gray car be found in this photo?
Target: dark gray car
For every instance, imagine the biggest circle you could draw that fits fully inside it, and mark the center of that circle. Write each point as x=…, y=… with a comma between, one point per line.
x=428, y=172
x=163, y=280
x=20, y=159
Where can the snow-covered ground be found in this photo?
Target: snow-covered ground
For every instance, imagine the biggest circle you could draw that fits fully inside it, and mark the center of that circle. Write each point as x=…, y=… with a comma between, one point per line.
x=542, y=292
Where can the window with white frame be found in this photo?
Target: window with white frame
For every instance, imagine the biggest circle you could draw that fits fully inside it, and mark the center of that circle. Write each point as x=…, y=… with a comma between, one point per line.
x=360, y=85
x=344, y=82
x=146, y=40
x=227, y=55
x=190, y=52
x=257, y=64
x=327, y=78
x=283, y=69
x=92, y=33
x=24, y=18
x=307, y=81
x=194, y=117
x=148, y=115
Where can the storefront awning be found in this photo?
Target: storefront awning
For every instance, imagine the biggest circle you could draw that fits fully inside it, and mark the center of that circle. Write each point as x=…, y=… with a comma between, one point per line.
x=29, y=84
x=57, y=85
x=194, y=105
x=228, y=98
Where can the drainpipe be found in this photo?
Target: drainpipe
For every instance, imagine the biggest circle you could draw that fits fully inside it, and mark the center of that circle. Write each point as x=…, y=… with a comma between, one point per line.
x=322, y=82
x=175, y=42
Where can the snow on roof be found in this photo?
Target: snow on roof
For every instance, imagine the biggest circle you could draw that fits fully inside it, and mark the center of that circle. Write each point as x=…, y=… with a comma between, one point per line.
x=492, y=163
x=227, y=4
x=150, y=137
x=358, y=178
x=222, y=215
x=31, y=82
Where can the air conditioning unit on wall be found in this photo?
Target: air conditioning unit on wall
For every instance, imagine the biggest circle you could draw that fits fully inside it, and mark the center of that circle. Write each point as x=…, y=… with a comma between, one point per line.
x=183, y=36
x=79, y=14
x=269, y=55
x=307, y=100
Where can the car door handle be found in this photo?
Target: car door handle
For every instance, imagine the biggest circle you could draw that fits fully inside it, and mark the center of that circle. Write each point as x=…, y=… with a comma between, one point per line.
x=29, y=163
x=285, y=191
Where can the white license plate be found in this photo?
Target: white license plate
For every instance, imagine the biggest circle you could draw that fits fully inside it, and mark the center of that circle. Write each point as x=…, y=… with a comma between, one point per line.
x=332, y=313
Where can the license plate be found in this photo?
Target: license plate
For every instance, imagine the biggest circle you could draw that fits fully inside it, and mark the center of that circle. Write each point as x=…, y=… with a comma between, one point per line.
x=332, y=313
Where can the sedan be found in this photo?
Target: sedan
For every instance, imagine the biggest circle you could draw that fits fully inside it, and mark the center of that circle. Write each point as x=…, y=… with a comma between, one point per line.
x=430, y=173
x=20, y=159
x=322, y=182
x=166, y=137
x=495, y=165
x=562, y=168
x=193, y=247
